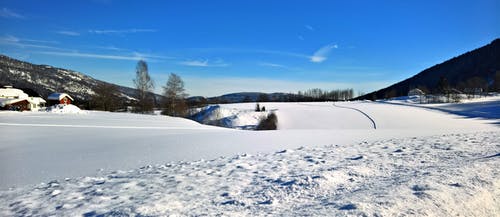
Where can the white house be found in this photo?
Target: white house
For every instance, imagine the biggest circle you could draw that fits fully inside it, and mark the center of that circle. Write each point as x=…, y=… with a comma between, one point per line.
x=15, y=99
x=36, y=102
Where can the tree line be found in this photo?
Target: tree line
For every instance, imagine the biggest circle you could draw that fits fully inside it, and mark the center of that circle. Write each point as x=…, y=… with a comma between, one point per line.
x=317, y=94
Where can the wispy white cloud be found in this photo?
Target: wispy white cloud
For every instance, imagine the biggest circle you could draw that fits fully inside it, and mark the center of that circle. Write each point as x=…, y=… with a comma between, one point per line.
x=68, y=33
x=133, y=53
x=152, y=56
x=282, y=53
x=120, y=31
x=91, y=55
x=251, y=51
x=7, y=13
x=109, y=47
x=9, y=38
x=300, y=37
x=272, y=65
x=40, y=41
x=204, y=63
x=322, y=54
x=195, y=63
x=309, y=27
x=26, y=43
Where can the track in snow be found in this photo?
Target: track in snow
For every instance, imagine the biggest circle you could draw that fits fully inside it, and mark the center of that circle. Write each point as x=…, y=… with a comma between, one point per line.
x=355, y=109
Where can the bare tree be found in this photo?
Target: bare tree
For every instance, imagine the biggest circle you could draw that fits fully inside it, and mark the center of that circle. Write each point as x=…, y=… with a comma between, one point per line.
x=174, y=97
x=106, y=97
x=144, y=85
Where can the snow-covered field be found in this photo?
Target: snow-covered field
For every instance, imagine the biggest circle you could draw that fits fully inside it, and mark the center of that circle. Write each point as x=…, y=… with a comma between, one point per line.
x=349, y=158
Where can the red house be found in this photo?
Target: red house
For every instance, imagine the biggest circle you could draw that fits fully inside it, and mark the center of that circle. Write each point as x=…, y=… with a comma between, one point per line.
x=15, y=104
x=59, y=98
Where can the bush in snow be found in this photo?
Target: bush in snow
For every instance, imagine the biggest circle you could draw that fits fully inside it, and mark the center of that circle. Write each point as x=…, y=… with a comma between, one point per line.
x=257, y=108
x=268, y=123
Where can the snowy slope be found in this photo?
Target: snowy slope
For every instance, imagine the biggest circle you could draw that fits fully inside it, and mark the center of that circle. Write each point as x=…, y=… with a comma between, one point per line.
x=445, y=175
x=343, y=115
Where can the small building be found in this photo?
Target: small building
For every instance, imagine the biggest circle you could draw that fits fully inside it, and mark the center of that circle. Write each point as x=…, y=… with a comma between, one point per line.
x=59, y=98
x=15, y=99
x=416, y=92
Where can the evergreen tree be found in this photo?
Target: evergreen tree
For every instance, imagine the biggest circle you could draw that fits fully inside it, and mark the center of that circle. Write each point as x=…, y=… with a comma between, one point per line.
x=442, y=85
x=257, y=108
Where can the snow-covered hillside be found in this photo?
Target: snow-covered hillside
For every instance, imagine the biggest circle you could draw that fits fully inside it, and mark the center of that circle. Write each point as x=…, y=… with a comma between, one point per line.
x=354, y=158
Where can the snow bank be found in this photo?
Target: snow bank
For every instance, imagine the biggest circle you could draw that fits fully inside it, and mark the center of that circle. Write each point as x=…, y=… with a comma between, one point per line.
x=65, y=109
x=445, y=175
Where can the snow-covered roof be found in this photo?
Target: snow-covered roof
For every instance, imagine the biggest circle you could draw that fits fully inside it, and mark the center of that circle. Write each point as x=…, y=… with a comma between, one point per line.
x=36, y=100
x=9, y=92
x=32, y=100
x=58, y=96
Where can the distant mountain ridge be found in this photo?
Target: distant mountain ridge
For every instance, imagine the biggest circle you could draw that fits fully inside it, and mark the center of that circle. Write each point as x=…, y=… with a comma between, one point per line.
x=44, y=79
x=476, y=68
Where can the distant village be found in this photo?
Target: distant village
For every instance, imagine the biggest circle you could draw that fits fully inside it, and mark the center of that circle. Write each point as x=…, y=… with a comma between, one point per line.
x=14, y=99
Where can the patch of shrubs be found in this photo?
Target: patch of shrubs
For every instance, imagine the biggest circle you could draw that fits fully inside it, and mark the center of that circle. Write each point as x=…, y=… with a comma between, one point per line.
x=268, y=123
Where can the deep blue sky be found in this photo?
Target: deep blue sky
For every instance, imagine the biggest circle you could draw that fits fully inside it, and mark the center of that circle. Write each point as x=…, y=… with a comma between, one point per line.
x=230, y=46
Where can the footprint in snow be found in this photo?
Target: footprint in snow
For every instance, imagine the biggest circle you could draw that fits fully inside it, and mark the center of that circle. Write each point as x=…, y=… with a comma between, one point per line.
x=356, y=158
x=419, y=191
x=458, y=185
x=349, y=206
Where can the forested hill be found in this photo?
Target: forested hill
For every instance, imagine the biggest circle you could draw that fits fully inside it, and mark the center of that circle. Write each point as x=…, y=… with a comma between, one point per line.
x=479, y=68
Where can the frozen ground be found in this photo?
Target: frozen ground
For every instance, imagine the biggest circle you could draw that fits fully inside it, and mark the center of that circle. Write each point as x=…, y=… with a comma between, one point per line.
x=99, y=153
x=445, y=175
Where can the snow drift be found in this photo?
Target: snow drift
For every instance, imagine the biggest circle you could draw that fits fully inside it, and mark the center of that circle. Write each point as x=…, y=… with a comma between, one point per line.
x=65, y=109
x=217, y=115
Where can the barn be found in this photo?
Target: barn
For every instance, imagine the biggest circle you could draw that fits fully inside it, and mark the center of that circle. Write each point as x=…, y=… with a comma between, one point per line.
x=15, y=104
x=59, y=98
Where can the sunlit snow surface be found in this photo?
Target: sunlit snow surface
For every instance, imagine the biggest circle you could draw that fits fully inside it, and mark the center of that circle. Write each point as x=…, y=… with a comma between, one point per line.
x=324, y=160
